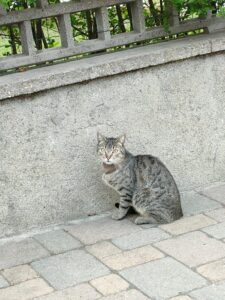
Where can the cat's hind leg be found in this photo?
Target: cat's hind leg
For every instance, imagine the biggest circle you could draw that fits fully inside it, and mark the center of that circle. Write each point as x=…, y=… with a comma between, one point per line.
x=141, y=204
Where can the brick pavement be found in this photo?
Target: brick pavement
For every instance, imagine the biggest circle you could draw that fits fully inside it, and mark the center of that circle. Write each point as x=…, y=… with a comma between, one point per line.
x=105, y=259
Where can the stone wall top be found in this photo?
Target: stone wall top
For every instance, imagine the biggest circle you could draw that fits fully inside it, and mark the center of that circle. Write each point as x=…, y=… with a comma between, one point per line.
x=72, y=72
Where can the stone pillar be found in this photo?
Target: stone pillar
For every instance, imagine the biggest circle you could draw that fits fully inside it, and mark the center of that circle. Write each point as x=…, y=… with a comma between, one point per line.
x=27, y=40
x=103, y=23
x=65, y=30
x=137, y=12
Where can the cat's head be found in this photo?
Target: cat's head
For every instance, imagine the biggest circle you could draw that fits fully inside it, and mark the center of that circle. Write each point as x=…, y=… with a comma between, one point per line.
x=111, y=150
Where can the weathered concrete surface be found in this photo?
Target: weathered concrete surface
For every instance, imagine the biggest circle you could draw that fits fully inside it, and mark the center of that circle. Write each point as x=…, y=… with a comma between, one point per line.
x=49, y=170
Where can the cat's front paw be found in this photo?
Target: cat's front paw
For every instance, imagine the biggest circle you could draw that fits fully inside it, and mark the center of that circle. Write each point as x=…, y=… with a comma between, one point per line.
x=145, y=220
x=118, y=215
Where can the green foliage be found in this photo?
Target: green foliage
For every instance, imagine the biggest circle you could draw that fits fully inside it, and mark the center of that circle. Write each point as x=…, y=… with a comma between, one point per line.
x=156, y=13
x=116, y=24
x=4, y=3
x=79, y=24
x=221, y=12
x=193, y=7
x=17, y=4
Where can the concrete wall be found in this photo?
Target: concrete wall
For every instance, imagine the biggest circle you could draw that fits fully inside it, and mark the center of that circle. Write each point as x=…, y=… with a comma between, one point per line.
x=49, y=169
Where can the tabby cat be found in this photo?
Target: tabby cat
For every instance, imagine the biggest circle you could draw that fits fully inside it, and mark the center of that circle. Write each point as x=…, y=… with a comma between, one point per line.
x=143, y=182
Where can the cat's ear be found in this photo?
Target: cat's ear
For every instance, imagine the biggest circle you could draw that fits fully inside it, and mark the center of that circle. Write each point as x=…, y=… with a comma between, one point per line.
x=121, y=139
x=100, y=137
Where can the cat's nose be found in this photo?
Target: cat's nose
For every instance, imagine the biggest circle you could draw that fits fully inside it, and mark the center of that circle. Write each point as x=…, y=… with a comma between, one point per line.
x=108, y=156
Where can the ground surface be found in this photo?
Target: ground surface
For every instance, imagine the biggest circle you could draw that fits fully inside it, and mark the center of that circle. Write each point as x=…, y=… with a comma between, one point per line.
x=99, y=258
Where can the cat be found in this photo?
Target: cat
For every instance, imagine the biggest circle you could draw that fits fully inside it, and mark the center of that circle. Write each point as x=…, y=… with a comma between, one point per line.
x=143, y=182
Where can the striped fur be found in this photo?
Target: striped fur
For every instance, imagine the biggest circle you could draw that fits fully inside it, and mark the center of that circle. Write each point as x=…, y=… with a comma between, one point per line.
x=143, y=182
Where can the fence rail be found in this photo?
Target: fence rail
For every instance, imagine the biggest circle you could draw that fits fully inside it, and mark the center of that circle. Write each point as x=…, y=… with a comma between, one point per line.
x=69, y=47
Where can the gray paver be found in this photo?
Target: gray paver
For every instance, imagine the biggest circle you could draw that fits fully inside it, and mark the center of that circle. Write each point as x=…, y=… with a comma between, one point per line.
x=194, y=248
x=80, y=292
x=163, y=278
x=212, y=292
x=132, y=257
x=216, y=193
x=214, y=271
x=110, y=284
x=217, y=230
x=16, y=253
x=26, y=290
x=19, y=274
x=181, y=298
x=92, y=232
x=217, y=214
x=188, y=224
x=3, y=282
x=140, y=238
x=126, y=295
x=103, y=249
x=68, y=269
x=194, y=203
x=57, y=241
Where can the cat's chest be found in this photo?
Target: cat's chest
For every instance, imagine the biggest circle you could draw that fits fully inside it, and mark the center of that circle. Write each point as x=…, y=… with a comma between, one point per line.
x=117, y=178
x=111, y=178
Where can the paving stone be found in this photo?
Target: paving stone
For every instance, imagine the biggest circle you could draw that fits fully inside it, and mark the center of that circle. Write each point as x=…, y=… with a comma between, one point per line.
x=181, y=298
x=22, y=252
x=132, y=257
x=188, y=224
x=57, y=241
x=212, y=292
x=80, y=292
x=126, y=295
x=103, y=249
x=216, y=193
x=214, y=271
x=19, y=274
x=103, y=229
x=163, y=278
x=26, y=290
x=3, y=282
x=217, y=231
x=110, y=284
x=140, y=238
x=76, y=266
x=194, y=203
x=217, y=214
x=147, y=226
x=194, y=248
